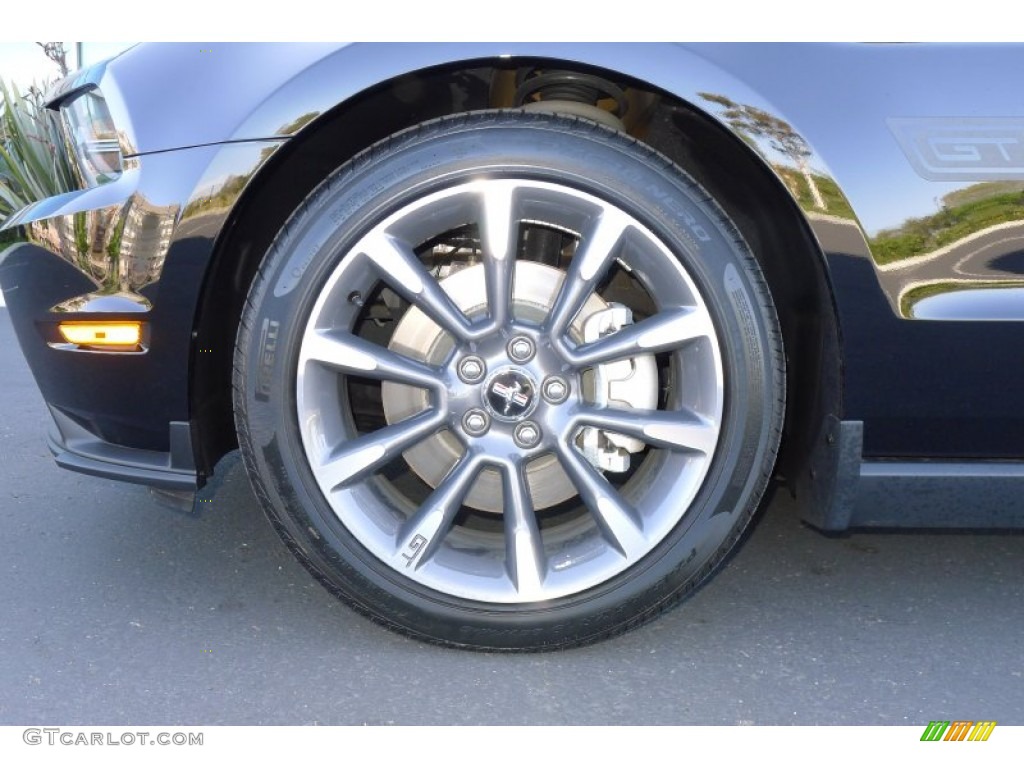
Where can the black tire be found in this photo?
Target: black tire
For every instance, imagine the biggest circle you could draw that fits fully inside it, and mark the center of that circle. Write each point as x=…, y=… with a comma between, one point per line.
x=544, y=149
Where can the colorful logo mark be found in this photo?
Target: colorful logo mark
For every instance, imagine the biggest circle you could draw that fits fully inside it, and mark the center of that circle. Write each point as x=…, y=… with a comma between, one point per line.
x=958, y=730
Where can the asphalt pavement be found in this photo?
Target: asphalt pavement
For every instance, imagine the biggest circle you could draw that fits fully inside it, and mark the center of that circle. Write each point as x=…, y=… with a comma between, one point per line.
x=116, y=610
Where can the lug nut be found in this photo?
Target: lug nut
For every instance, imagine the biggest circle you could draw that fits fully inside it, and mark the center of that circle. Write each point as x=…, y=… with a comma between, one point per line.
x=555, y=389
x=526, y=434
x=475, y=422
x=520, y=349
x=472, y=369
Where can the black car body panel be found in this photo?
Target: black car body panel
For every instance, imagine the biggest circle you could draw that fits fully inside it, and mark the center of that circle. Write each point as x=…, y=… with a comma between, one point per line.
x=905, y=164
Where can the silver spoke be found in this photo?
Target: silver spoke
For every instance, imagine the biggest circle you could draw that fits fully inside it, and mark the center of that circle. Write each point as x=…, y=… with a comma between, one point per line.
x=659, y=333
x=353, y=459
x=524, y=552
x=499, y=232
x=591, y=261
x=347, y=353
x=668, y=429
x=619, y=522
x=422, y=534
x=401, y=270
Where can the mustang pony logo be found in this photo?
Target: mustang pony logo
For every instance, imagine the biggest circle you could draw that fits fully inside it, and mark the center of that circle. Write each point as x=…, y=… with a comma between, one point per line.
x=512, y=393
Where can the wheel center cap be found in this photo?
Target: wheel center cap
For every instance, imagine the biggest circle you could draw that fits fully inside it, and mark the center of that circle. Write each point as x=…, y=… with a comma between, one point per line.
x=510, y=394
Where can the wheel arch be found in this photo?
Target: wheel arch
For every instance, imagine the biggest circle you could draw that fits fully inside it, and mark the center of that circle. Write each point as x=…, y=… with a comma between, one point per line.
x=423, y=83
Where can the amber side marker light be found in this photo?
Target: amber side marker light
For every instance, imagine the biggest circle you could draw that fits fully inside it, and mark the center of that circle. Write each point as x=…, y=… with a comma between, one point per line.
x=109, y=335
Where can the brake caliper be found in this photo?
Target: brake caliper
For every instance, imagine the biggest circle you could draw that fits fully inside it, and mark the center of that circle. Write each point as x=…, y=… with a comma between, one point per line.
x=629, y=384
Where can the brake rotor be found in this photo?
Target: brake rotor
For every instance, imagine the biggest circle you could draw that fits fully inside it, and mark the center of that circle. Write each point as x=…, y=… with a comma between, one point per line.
x=535, y=288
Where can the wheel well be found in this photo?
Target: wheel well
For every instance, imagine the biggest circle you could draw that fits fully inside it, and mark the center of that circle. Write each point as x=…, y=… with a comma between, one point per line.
x=793, y=265
x=750, y=193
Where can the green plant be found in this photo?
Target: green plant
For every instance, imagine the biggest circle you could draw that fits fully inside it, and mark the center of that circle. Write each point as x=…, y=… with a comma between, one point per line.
x=32, y=167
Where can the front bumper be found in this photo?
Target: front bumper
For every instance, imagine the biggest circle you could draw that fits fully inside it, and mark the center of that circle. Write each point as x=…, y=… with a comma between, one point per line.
x=134, y=249
x=76, y=448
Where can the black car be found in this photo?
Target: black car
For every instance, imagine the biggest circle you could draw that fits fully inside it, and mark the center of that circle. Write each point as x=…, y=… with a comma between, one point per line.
x=514, y=338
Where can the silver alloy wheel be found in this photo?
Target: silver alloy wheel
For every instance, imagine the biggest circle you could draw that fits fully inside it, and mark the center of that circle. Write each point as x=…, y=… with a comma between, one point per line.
x=523, y=554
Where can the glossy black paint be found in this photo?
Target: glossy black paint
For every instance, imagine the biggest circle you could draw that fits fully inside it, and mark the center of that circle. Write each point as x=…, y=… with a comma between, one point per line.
x=927, y=372
x=935, y=389
x=126, y=399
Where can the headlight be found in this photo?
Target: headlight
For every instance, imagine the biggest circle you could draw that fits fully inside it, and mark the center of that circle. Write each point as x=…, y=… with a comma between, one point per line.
x=92, y=138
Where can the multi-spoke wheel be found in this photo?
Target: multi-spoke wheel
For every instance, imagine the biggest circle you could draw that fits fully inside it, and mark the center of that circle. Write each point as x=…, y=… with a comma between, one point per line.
x=509, y=381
